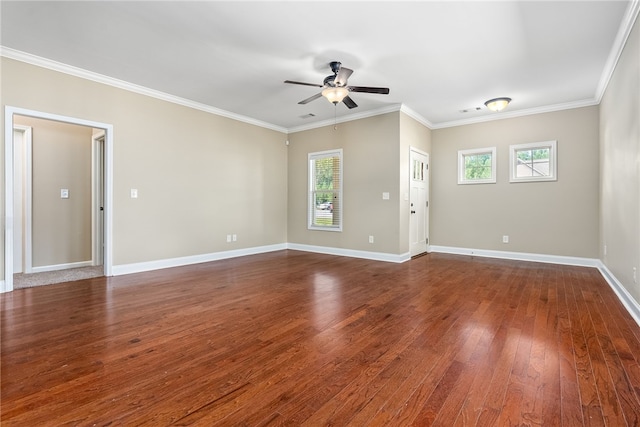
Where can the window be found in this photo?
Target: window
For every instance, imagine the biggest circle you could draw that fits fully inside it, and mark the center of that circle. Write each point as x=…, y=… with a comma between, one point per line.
x=325, y=190
x=533, y=162
x=477, y=166
x=419, y=170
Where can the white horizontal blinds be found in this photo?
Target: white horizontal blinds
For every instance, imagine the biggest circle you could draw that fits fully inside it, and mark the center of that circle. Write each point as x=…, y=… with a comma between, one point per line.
x=325, y=192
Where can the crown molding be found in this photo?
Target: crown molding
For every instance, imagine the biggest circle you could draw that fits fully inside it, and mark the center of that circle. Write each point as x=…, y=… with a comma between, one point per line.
x=389, y=109
x=121, y=84
x=626, y=27
x=629, y=19
x=348, y=118
x=417, y=117
x=519, y=113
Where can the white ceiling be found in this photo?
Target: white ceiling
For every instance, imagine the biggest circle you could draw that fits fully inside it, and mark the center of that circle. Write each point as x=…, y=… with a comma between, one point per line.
x=437, y=58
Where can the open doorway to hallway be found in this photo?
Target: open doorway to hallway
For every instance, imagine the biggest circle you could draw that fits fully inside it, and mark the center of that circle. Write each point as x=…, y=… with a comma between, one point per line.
x=58, y=198
x=58, y=201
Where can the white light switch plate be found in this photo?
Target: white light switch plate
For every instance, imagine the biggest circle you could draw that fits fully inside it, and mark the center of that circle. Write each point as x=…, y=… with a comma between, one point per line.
x=134, y=193
x=385, y=196
x=64, y=193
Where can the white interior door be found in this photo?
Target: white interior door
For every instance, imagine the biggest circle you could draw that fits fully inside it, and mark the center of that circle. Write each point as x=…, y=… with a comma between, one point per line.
x=97, y=195
x=419, y=202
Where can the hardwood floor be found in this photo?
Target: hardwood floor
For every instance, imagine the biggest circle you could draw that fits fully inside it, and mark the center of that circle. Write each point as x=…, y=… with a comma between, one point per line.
x=293, y=338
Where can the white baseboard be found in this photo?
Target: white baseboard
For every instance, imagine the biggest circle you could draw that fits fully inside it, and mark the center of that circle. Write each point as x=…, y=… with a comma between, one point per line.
x=195, y=259
x=632, y=306
x=58, y=267
x=375, y=256
x=519, y=256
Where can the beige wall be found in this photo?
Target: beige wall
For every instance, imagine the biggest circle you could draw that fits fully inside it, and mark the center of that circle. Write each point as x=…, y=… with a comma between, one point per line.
x=61, y=228
x=199, y=176
x=412, y=135
x=620, y=168
x=376, y=160
x=370, y=167
x=552, y=218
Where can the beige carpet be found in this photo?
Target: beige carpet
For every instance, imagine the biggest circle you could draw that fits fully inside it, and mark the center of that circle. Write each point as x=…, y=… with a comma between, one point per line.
x=50, y=277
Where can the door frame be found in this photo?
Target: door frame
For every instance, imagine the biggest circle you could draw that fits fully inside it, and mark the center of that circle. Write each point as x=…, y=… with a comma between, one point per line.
x=97, y=197
x=428, y=192
x=26, y=221
x=9, y=112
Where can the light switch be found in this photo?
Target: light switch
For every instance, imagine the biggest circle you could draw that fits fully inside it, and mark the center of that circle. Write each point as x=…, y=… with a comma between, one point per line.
x=64, y=193
x=134, y=193
x=385, y=196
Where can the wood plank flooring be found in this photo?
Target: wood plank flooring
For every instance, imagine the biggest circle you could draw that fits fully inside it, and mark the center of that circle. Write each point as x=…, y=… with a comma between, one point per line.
x=301, y=339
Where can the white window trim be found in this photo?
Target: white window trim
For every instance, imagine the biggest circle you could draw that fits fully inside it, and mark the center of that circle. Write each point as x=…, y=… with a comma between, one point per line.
x=461, y=167
x=310, y=201
x=553, y=161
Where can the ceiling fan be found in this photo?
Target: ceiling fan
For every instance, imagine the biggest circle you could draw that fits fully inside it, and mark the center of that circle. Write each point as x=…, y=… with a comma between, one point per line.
x=335, y=87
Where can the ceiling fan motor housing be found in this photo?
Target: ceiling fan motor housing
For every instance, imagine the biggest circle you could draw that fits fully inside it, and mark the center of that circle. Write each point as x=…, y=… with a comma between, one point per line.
x=330, y=81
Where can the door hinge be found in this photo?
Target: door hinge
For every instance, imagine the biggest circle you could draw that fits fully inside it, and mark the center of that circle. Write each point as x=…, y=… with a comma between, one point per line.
x=427, y=240
x=427, y=203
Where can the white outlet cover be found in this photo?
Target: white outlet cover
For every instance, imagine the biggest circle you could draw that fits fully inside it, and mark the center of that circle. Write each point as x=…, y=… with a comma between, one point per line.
x=64, y=193
x=385, y=196
x=134, y=193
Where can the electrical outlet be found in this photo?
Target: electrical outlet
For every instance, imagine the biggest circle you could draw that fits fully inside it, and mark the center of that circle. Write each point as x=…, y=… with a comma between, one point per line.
x=228, y=238
x=235, y=237
x=370, y=239
x=505, y=239
x=134, y=193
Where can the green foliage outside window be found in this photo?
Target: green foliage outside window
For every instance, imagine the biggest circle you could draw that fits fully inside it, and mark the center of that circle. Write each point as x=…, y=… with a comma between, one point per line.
x=324, y=176
x=528, y=155
x=477, y=166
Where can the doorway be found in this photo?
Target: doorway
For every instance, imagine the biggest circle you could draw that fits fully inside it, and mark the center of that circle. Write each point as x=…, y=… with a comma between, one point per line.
x=100, y=188
x=419, y=202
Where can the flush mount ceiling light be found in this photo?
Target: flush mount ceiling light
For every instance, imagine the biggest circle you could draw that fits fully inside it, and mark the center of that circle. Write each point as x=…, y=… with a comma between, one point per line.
x=335, y=94
x=497, y=104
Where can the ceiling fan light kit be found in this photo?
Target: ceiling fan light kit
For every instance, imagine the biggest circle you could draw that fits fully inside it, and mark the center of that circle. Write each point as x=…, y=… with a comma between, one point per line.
x=335, y=87
x=497, y=104
x=335, y=94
